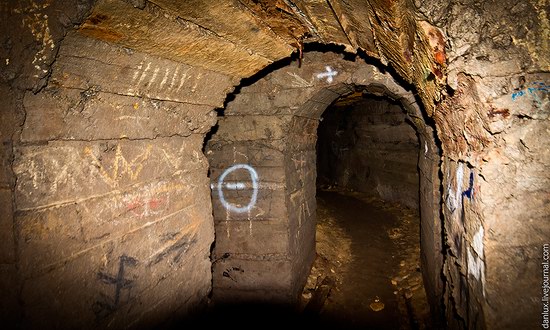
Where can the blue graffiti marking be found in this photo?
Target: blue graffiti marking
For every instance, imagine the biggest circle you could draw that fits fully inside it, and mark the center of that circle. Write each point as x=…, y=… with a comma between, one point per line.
x=515, y=95
x=238, y=186
x=469, y=192
x=538, y=86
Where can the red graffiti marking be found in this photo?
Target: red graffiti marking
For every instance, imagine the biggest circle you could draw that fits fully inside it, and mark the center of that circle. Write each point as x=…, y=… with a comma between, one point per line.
x=145, y=207
x=154, y=203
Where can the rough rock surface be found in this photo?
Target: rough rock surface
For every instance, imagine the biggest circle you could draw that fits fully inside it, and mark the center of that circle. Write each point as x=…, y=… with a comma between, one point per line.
x=109, y=100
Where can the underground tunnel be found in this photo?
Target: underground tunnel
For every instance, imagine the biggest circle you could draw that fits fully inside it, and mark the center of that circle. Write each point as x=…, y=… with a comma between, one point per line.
x=356, y=135
x=169, y=163
x=367, y=144
x=367, y=164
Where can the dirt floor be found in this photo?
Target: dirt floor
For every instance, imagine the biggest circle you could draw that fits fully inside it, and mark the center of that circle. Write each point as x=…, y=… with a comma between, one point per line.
x=366, y=274
x=367, y=270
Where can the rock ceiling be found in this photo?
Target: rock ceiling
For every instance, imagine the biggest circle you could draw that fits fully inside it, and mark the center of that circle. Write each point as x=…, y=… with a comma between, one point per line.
x=241, y=37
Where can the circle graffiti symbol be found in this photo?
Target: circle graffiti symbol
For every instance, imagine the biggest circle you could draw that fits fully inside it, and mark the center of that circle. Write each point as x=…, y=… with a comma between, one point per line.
x=238, y=185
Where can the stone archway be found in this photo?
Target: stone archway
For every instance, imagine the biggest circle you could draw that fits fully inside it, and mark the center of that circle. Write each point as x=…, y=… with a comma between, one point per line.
x=269, y=132
x=163, y=66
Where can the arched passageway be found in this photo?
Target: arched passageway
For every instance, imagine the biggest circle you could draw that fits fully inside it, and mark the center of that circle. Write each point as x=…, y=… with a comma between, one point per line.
x=368, y=225
x=368, y=143
x=105, y=193
x=264, y=155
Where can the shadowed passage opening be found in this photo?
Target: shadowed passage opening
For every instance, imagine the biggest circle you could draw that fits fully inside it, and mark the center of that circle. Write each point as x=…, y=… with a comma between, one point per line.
x=367, y=269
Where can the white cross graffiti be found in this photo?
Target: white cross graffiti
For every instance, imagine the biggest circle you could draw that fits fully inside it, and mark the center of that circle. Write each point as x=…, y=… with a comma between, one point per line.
x=329, y=74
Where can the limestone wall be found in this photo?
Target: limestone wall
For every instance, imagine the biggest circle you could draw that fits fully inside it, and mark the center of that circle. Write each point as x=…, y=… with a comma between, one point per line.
x=494, y=132
x=113, y=218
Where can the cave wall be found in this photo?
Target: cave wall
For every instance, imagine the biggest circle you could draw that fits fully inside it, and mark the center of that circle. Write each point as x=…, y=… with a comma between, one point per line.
x=9, y=282
x=493, y=128
x=480, y=67
x=111, y=188
x=30, y=37
x=105, y=194
x=368, y=146
x=241, y=37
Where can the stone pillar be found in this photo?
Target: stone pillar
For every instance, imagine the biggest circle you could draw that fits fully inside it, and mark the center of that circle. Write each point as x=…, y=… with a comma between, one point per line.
x=257, y=256
x=301, y=173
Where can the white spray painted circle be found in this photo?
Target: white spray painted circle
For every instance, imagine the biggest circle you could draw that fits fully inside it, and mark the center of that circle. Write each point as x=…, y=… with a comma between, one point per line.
x=238, y=185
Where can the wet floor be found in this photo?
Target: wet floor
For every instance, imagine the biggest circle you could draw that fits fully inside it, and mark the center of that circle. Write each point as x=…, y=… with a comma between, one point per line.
x=371, y=250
